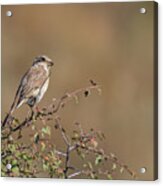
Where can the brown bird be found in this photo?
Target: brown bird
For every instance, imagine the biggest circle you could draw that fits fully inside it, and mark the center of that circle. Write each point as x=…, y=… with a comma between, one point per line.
x=33, y=84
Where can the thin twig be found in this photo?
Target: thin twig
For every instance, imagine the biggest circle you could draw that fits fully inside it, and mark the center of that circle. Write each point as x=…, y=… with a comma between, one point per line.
x=114, y=159
x=63, y=132
x=60, y=153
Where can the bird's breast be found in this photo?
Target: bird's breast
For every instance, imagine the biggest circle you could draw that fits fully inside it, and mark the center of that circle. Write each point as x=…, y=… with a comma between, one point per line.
x=43, y=90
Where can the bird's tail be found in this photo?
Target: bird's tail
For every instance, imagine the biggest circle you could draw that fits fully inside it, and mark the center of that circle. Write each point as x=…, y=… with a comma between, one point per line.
x=8, y=116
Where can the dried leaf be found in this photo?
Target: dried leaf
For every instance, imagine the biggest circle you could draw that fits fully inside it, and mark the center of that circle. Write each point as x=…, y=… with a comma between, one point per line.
x=94, y=142
x=86, y=93
x=43, y=146
x=114, y=166
x=90, y=165
x=76, y=99
x=121, y=170
x=93, y=82
x=99, y=91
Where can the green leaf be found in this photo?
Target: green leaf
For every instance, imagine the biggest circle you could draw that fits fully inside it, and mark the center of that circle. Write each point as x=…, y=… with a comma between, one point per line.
x=36, y=138
x=25, y=157
x=58, y=163
x=3, y=174
x=45, y=167
x=81, y=154
x=16, y=121
x=14, y=162
x=46, y=130
x=12, y=147
x=15, y=169
x=98, y=159
x=90, y=165
x=109, y=176
x=43, y=146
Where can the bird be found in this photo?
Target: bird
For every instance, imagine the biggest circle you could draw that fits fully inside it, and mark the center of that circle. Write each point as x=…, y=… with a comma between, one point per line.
x=33, y=85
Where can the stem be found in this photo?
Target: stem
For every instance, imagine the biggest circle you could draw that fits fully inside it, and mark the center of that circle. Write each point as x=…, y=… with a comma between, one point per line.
x=67, y=162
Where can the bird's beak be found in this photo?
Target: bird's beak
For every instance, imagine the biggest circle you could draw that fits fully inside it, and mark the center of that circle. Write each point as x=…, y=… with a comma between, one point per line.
x=51, y=63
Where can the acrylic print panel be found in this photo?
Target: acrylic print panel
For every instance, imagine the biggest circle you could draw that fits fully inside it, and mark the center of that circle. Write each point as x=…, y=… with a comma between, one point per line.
x=79, y=91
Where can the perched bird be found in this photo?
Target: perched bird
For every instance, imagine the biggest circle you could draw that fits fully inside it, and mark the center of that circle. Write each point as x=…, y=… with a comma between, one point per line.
x=33, y=84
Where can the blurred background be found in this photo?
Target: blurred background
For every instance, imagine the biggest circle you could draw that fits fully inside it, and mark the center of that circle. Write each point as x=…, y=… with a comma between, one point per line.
x=111, y=43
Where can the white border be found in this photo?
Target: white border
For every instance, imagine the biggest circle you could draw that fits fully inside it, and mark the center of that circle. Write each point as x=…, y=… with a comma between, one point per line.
x=56, y=182
x=58, y=1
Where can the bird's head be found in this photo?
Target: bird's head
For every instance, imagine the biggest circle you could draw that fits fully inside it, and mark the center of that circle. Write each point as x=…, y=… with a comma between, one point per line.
x=43, y=59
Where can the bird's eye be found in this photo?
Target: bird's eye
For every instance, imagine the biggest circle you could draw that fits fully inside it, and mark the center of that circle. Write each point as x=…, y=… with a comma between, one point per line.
x=42, y=59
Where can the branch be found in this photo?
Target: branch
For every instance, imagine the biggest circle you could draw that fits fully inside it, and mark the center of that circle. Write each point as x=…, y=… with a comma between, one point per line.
x=50, y=110
x=111, y=157
x=63, y=132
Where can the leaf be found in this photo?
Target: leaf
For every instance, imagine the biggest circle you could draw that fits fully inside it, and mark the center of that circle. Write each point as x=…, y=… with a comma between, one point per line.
x=33, y=127
x=81, y=154
x=46, y=158
x=16, y=121
x=86, y=93
x=14, y=162
x=93, y=82
x=112, y=155
x=25, y=157
x=12, y=147
x=85, y=165
x=58, y=163
x=114, y=166
x=121, y=170
x=76, y=99
x=43, y=146
x=45, y=167
x=99, y=91
x=17, y=153
x=98, y=159
x=3, y=174
x=56, y=126
x=75, y=135
x=109, y=176
x=46, y=130
x=94, y=142
x=90, y=165
x=15, y=169
x=36, y=138
x=92, y=175
x=100, y=135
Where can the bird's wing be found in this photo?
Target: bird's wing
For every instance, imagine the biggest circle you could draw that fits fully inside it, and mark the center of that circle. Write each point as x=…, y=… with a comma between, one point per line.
x=32, y=81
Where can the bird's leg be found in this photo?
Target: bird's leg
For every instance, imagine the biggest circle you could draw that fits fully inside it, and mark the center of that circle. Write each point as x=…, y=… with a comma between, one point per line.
x=35, y=112
x=39, y=113
x=32, y=112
